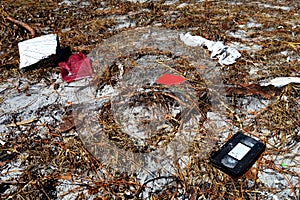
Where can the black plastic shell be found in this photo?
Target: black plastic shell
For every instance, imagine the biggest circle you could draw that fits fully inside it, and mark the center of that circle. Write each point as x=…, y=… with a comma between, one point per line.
x=236, y=166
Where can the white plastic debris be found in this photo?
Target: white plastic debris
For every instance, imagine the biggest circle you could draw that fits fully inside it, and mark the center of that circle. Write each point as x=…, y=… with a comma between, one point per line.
x=2, y=142
x=33, y=50
x=225, y=54
x=282, y=81
x=193, y=41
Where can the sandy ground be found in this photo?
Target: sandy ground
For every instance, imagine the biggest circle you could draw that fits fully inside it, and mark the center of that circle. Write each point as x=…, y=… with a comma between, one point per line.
x=44, y=128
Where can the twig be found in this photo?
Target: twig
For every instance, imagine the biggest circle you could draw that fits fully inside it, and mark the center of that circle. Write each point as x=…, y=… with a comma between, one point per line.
x=22, y=24
x=22, y=122
x=20, y=190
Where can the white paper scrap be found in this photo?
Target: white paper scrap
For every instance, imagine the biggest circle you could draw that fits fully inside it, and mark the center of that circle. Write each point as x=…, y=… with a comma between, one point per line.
x=225, y=54
x=33, y=50
x=282, y=81
x=216, y=48
x=190, y=40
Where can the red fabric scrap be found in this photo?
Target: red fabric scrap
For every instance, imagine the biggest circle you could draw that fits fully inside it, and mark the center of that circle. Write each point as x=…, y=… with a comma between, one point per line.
x=170, y=79
x=78, y=66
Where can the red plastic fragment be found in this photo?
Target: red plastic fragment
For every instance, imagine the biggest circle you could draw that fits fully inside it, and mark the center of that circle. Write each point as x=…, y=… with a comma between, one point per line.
x=170, y=79
x=78, y=66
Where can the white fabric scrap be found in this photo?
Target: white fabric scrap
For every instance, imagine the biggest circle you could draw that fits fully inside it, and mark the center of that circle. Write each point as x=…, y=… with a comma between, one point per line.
x=225, y=54
x=282, y=81
x=33, y=50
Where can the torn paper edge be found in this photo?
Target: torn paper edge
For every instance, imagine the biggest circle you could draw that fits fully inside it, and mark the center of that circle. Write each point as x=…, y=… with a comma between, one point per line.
x=226, y=55
x=282, y=81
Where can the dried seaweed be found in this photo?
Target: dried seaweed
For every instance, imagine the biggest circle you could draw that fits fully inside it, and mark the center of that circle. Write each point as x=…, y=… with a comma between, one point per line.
x=39, y=165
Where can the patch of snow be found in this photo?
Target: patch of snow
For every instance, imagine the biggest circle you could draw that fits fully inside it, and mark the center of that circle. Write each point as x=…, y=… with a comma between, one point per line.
x=252, y=48
x=273, y=179
x=253, y=25
x=13, y=172
x=123, y=22
x=170, y=2
x=75, y=2
x=218, y=120
x=253, y=71
x=241, y=34
x=285, y=8
x=138, y=1
x=182, y=5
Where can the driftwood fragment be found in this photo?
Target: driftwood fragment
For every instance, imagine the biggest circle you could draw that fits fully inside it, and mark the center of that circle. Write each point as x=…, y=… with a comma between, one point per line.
x=253, y=90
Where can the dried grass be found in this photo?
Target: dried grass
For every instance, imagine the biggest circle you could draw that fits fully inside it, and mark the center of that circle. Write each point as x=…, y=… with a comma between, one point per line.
x=59, y=158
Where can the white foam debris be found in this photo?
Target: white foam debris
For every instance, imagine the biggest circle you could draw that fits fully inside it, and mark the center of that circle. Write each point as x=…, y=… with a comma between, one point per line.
x=33, y=50
x=282, y=81
x=226, y=55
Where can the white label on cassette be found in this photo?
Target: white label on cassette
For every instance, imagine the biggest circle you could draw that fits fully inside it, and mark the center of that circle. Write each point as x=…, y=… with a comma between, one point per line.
x=239, y=151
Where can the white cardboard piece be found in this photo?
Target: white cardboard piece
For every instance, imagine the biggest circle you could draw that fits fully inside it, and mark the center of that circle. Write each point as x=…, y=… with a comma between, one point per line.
x=33, y=50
